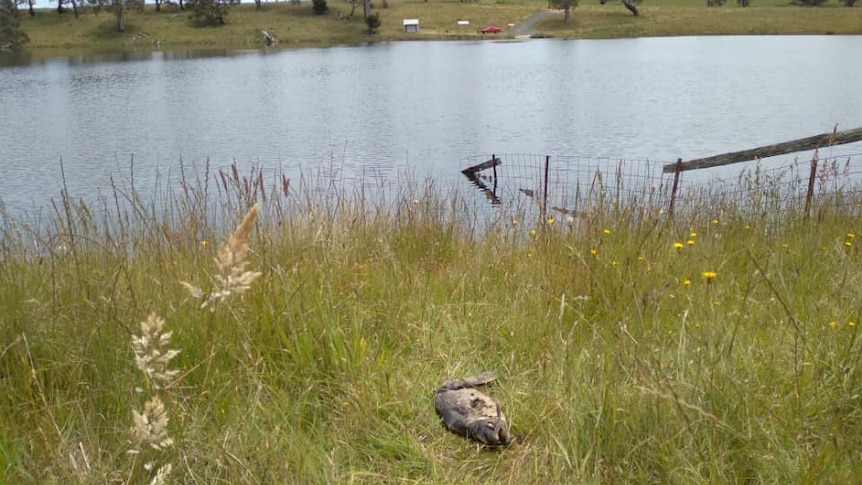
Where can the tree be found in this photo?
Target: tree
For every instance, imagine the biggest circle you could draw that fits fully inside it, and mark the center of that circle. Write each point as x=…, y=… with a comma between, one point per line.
x=632, y=5
x=566, y=6
x=11, y=35
x=62, y=4
x=30, y=6
x=119, y=8
x=208, y=12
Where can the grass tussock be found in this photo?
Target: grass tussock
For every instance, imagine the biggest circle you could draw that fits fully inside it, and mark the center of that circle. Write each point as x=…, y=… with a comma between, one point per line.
x=718, y=346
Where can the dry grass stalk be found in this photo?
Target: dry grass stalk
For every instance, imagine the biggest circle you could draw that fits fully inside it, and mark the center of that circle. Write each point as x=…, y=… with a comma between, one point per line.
x=162, y=475
x=151, y=353
x=152, y=358
x=232, y=277
x=151, y=426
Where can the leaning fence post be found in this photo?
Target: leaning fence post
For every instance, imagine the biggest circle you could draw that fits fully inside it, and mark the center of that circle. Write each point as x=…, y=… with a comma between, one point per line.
x=545, y=189
x=494, y=167
x=676, y=173
x=810, y=193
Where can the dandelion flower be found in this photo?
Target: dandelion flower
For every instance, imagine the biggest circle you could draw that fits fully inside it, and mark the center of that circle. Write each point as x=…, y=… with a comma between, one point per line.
x=514, y=222
x=850, y=235
x=204, y=243
x=570, y=220
x=551, y=221
x=606, y=231
x=594, y=251
x=532, y=232
x=690, y=242
x=677, y=245
x=415, y=201
x=832, y=324
x=848, y=244
x=693, y=234
x=715, y=221
x=851, y=324
x=785, y=245
x=709, y=275
x=686, y=282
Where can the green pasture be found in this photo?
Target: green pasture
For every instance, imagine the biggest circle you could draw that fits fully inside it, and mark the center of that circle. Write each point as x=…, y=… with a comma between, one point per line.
x=296, y=25
x=716, y=346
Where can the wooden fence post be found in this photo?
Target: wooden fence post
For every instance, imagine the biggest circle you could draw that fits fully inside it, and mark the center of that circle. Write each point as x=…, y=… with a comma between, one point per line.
x=673, y=191
x=809, y=194
x=494, y=167
x=545, y=189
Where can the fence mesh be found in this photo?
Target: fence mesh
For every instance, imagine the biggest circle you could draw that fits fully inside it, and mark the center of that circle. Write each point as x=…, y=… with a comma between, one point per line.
x=531, y=185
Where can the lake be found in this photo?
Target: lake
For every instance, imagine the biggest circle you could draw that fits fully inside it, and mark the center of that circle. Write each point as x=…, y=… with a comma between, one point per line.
x=385, y=110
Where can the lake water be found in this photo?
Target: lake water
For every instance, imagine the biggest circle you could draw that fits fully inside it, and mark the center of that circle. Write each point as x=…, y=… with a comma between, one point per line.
x=420, y=107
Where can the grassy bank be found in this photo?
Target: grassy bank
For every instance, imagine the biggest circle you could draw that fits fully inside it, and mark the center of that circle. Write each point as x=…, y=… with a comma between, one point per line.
x=295, y=25
x=717, y=347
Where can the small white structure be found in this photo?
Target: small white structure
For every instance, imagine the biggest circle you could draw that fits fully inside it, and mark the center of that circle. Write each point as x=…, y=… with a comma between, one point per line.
x=463, y=22
x=411, y=26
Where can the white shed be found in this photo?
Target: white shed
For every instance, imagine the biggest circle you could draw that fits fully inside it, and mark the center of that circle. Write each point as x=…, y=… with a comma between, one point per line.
x=411, y=26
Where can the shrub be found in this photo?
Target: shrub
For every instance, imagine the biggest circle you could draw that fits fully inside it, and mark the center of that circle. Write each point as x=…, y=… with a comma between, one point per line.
x=373, y=22
x=319, y=7
x=208, y=12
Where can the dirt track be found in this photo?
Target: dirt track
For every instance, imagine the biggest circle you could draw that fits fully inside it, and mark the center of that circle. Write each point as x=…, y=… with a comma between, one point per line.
x=526, y=27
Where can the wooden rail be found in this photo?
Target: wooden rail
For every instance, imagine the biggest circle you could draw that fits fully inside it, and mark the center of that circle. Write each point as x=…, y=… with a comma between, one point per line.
x=810, y=143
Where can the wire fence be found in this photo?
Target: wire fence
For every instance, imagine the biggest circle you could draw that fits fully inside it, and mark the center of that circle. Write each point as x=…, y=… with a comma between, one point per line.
x=531, y=185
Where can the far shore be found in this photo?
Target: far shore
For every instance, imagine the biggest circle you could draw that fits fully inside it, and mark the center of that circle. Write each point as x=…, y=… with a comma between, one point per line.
x=295, y=25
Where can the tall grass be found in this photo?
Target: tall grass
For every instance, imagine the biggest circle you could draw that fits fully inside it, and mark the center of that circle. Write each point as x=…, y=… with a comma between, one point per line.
x=624, y=357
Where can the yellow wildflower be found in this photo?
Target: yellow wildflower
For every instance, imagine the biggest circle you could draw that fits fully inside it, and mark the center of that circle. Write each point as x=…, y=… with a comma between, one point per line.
x=677, y=245
x=551, y=221
x=594, y=251
x=709, y=275
x=832, y=324
x=686, y=282
x=606, y=231
x=690, y=242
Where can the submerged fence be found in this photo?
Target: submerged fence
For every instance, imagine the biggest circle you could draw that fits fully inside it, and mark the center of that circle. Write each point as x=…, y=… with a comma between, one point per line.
x=554, y=186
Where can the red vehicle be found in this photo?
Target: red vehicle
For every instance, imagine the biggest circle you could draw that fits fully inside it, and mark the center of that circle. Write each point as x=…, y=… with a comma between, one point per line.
x=493, y=29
